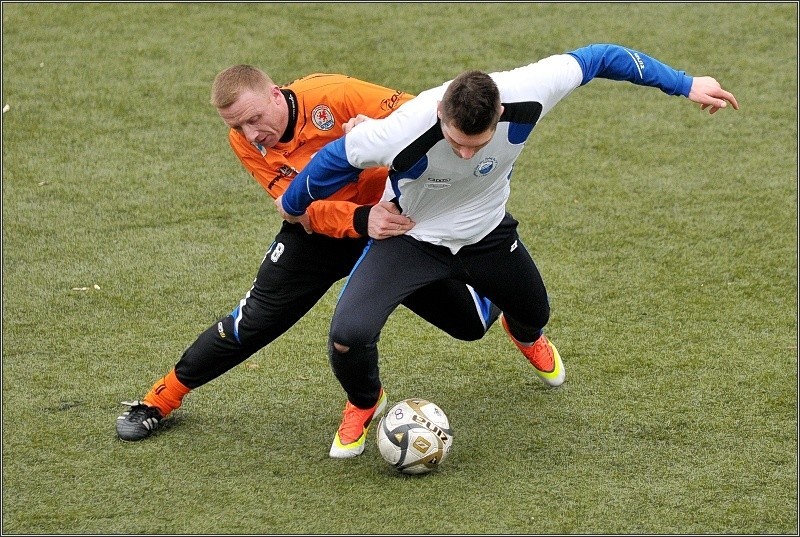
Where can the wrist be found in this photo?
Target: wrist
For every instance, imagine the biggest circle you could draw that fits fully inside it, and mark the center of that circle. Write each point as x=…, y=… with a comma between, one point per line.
x=361, y=219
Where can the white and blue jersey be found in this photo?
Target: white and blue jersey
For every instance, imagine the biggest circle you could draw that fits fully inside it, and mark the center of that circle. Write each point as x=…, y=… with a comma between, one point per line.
x=456, y=202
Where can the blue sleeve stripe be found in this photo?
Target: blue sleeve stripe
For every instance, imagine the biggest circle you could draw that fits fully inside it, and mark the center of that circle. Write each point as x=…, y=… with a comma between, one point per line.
x=618, y=63
x=326, y=174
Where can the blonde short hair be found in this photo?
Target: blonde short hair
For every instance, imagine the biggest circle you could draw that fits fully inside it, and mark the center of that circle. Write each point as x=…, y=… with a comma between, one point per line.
x=231, y=82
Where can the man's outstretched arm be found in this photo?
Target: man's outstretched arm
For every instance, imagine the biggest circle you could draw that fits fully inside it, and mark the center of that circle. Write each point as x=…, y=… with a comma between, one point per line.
x=615, y=62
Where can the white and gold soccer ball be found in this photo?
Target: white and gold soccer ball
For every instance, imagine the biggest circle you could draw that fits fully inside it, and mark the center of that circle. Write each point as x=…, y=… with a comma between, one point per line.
x=414, y=436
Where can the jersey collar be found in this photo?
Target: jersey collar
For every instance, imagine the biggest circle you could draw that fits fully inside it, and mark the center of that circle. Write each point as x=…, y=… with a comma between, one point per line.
x=291, y=101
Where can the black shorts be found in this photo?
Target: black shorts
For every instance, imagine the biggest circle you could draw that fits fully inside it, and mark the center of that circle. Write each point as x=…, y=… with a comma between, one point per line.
x=499, y=268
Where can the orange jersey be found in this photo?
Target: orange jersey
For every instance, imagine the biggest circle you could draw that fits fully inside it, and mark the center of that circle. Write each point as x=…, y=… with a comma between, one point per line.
x=319, y=105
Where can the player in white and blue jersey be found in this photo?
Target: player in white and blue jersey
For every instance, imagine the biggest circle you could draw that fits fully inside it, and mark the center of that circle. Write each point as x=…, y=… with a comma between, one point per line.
x=451, y=152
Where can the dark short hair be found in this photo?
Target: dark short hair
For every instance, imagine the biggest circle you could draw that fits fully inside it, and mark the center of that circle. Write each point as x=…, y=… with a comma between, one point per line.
x=471, y=103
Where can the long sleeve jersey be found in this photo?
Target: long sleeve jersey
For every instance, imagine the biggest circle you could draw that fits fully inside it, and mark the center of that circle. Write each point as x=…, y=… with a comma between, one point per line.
x=319, y=104
x=456, y=202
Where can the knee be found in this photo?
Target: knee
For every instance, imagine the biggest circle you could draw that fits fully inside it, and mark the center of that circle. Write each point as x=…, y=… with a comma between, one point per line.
x=348, y=333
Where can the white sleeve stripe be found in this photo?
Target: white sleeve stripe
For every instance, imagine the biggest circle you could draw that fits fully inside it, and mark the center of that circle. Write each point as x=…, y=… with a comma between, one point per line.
x=638, y=67
x=308, y=188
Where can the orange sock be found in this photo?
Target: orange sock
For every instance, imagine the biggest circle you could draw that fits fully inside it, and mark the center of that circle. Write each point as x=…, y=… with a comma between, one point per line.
x=167, y=393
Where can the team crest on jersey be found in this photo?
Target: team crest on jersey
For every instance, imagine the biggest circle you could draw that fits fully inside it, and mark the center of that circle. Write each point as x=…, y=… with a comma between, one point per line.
x=322, y=117
x=485, y=167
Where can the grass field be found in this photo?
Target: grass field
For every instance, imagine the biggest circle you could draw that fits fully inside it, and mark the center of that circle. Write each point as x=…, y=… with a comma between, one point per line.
x=667, y=238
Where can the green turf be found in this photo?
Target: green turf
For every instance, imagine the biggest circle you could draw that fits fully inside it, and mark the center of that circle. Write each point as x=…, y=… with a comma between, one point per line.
x=667, y=238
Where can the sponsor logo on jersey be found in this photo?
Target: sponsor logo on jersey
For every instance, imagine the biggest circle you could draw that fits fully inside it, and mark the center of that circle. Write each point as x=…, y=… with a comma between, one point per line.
x=284, y=171
x=391, y=102
x=485, y=167
x=322, y=117
x=433, y=183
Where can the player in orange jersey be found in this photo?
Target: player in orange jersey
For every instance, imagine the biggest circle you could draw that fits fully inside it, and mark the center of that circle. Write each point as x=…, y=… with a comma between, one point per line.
x=274, y=131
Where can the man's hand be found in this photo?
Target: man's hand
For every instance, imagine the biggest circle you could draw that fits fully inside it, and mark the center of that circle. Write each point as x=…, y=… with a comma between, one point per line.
x=386, y=221
x=303, y=219
x=353, y=121
x=708, y=92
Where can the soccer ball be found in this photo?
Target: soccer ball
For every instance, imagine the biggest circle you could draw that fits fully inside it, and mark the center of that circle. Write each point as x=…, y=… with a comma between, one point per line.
x=414, y=436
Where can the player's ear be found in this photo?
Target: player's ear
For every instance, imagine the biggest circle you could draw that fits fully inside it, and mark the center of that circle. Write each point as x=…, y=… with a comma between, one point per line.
x=439, y=109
